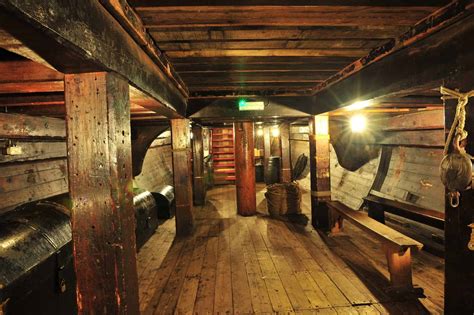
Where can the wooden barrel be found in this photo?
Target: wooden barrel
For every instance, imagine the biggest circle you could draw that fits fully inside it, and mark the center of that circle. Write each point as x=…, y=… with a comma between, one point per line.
x=273, y=170
x=259, y=173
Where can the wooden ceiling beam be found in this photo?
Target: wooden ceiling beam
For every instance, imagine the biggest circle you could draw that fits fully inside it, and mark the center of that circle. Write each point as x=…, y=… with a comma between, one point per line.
x=213, y=53
x=255, y=77
x=37, y=99
x=272, y=44
x=252, y=86
x=27, y=71
x=224, y=16
x=275, y=32
x=31, y=87
x=202, y=69
x=51, y=29
x=391, y=3
x=435, y=50
x=129, y=19
x=243, y=60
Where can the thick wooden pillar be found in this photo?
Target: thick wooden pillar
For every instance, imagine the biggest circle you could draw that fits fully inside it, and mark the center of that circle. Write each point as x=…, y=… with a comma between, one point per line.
x=199, y=190
x=100, y=185
x=459, y=260
x=267, y=151
x=319, y=169
x=285, y=172
x=245, y=169
x=182, y=175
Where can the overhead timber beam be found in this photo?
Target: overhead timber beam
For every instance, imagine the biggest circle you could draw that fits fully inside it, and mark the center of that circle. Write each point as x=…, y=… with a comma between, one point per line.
x=434, y=49
x=156, y=3
x=50, y=29
x=127, y=17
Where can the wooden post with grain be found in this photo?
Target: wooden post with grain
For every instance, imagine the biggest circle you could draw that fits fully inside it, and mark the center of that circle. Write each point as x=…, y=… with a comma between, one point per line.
x=100, y=186
x=245, y=169
x=182, y=170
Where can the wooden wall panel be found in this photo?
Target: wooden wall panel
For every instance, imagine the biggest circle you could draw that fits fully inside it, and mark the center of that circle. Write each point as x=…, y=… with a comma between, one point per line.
x=40, y=171
x=23, y=126
x=350, y=187
x=413, y=177
x=36, y=180
x=157, y=170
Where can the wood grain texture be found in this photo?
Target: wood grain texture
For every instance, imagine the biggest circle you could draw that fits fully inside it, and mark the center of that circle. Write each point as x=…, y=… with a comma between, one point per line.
x=459, y=271
x=23, y=126
x=235, y=264
x=199, y=189
x=319, y=159
x=182, y=170
x=245, y=168
x=100, y=184
x=285, y=173
x=100, y=44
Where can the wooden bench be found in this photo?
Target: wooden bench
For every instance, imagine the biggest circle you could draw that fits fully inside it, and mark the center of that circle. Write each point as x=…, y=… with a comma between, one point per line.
x=379, y=205
x=397, y=246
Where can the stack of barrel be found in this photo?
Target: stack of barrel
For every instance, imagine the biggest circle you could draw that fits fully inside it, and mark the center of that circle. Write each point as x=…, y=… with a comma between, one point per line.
x=36, y=256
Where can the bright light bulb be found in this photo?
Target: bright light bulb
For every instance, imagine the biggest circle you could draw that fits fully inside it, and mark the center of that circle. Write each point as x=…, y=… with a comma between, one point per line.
x=275, y=132
x=259, y=132
x=358, y=123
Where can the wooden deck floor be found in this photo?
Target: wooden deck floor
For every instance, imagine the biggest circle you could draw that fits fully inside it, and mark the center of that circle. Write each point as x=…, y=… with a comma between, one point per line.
x=247, y=265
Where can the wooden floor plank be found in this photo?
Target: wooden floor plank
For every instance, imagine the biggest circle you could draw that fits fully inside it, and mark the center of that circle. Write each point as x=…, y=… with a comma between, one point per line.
x=206, y=290
x=223, y=288
x=260, y=265
x=187, y=295
x=241, y=296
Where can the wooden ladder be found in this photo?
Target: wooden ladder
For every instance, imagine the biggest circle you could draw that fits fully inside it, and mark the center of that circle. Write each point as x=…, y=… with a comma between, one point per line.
x=223, y=158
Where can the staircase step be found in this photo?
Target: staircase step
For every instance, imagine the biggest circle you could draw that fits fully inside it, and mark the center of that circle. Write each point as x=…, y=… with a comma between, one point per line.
x=223, y=152
x=223, y=159
x=222, y=146
x=224, y=171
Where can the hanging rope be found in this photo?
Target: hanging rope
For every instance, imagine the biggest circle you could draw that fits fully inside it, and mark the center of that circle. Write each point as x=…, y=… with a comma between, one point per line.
x=456, y=167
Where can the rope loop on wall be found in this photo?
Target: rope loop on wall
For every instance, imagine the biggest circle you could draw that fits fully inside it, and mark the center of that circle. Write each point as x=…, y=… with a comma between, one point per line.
x=456, y=167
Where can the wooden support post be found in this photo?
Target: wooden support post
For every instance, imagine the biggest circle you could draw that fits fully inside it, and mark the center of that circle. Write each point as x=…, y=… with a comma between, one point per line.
x=198, y=167
x=285, y=173
x=100, y=185
x=319, y=169
x=399, y=266
x=182, y=170
x=459, y=260
x=267, y=152
x=245, y=169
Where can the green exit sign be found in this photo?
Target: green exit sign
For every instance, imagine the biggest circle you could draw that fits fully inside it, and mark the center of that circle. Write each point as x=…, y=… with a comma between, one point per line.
x=246, y=105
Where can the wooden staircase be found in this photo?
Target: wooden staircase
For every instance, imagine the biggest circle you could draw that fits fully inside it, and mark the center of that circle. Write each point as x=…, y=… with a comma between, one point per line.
x=222, y=149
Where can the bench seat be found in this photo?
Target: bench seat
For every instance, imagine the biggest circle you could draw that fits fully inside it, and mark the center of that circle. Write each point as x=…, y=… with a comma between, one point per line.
x=379, y=205
x=397, y=247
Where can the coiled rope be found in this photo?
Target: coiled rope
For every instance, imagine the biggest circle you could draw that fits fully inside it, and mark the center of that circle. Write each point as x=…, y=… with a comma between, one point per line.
x=456, y=167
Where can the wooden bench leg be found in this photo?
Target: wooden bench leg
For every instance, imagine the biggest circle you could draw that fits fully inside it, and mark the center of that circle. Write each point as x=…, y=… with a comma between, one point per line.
x=336, y=223
x=399, y=266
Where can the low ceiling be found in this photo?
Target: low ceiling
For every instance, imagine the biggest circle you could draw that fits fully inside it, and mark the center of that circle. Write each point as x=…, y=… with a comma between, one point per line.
x=271, y=47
